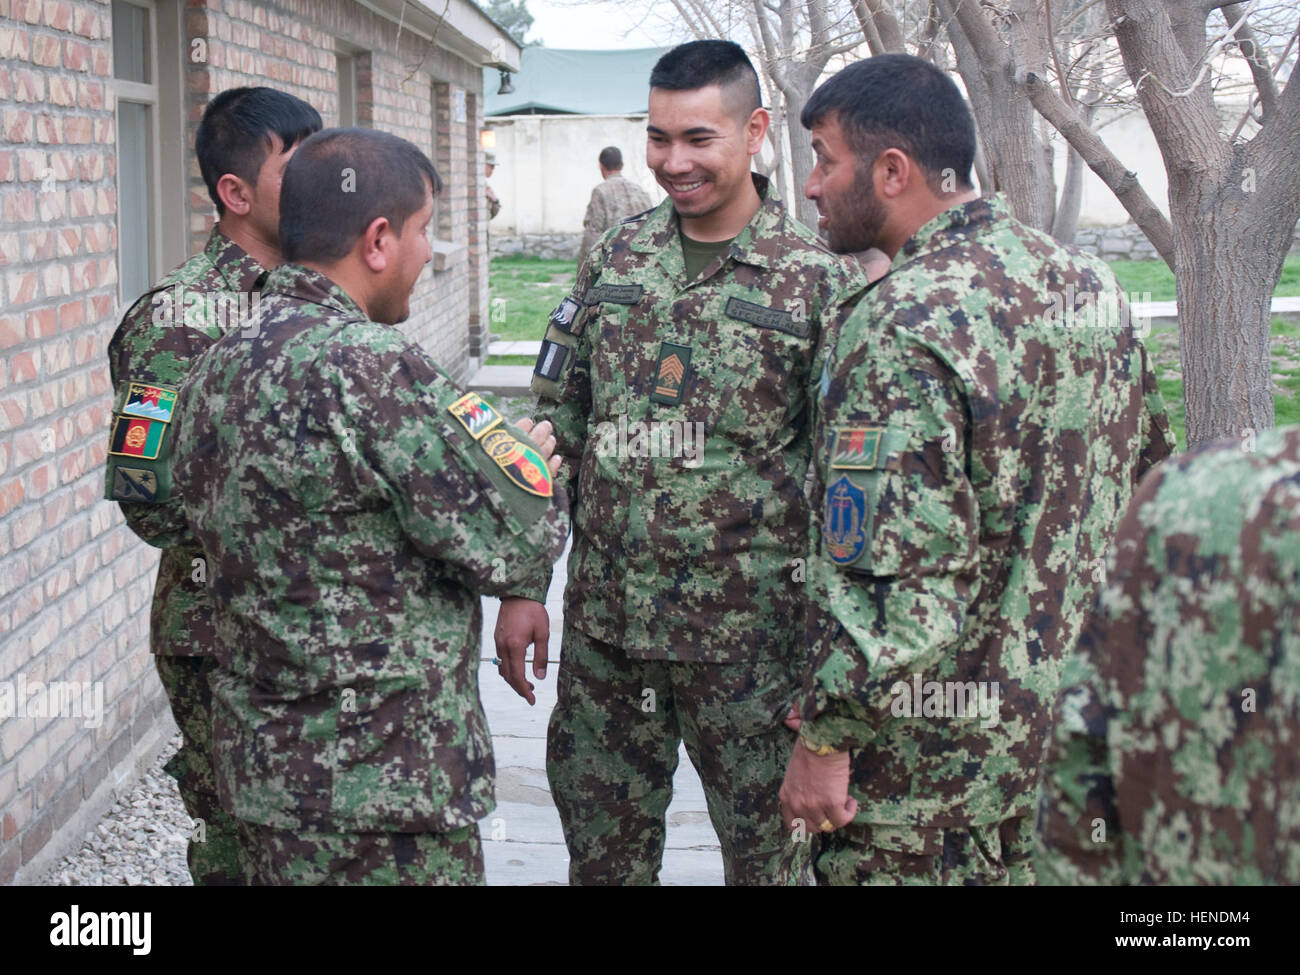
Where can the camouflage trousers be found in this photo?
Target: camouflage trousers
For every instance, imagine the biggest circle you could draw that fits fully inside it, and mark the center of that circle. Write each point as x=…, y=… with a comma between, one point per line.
x=999, y=854
x=214, y=854
x=310, y=858
x=611, y=751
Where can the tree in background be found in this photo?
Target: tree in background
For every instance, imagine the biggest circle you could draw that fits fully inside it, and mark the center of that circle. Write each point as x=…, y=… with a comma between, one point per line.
x=512, y=15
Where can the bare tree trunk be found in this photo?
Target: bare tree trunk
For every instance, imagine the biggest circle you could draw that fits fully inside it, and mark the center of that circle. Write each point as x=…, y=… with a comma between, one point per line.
x=1066, y=222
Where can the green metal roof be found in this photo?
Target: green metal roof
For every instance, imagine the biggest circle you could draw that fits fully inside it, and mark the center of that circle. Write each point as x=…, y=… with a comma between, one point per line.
x=551, y=81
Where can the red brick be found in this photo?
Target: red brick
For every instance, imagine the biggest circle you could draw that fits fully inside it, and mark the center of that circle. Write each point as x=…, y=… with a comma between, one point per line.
x=58, y=14
x=76, y=54
x=28, y=85
x=19, y=206
x=28, y=10
x=63, y=91
x=85, y=23
x=49, y=129
x=46, y=51
x=25, y=365
x=91, y=167
x=68, y=241
x=12, y=331
x=72, y=314
x=41, y=323
x=101, y=63
x=90, y=94
x=41, y=480
x=26, y=526
x=11, y=496
x=77, y=130
x=16, y=125
x=8, y=169
x=72, y=465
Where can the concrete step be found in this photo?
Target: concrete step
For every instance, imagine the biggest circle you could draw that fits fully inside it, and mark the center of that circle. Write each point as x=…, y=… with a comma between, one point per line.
x=504, y=347
x=502, y=380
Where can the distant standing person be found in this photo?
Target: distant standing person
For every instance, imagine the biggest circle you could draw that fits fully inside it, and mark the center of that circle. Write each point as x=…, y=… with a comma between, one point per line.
x=614, y=198
x=494, y=205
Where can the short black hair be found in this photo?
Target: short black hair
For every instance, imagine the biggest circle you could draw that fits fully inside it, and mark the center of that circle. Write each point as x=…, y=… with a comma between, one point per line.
x=235, y=133
x=698, y=64
x=611, y=157
x=339, y=181
x=900, y=101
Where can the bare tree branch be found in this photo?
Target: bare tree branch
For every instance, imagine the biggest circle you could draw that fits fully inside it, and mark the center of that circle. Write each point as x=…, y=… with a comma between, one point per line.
x=1122, y=181
x=1255, y=57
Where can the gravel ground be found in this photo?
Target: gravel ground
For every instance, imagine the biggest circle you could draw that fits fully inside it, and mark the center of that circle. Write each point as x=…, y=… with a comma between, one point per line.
x=140, y=841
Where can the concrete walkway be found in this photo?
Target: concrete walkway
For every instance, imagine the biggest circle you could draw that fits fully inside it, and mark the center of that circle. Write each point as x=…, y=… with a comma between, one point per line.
x=529, y=848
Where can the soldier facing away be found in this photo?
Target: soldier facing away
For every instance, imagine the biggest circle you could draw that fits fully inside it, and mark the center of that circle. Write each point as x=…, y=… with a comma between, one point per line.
x=973, y=454
x=1173, y=758
x=246, y=138
x=677, y=376
x=353, y=503
x=613, y=199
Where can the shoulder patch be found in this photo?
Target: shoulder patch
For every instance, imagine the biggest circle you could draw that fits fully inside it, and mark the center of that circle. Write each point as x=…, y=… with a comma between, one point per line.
x=520, y=461
x=619, y=294
x=134, y=484
x=151, y=402
x=137, y=437
x=856, y=448
x=842, y=521
x=565, y=313
x=763, y=317
x=475, y=414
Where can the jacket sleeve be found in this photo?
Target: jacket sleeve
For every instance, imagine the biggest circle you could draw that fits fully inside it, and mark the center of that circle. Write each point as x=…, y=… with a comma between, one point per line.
x=492, y=524
x=895, y=566
x=145, y=351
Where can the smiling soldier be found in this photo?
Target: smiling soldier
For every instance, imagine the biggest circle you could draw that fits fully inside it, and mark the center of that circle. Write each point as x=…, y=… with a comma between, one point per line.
x=683, y=610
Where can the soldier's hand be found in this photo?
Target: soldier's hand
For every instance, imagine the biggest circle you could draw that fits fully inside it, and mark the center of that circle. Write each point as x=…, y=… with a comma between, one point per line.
x=792, y=719
x=542, y=436
x=816, y=791
x=521, y=622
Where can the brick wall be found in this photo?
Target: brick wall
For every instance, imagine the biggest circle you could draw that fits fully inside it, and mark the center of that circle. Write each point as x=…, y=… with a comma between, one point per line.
x=75, y=584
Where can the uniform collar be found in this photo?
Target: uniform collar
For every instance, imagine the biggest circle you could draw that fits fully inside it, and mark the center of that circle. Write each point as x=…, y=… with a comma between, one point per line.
x=956, y=222
x=241, y=272
x=310, y=285
x=756, y=244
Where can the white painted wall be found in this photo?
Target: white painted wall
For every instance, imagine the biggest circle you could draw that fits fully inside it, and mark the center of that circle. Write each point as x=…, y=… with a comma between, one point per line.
x=546, y=167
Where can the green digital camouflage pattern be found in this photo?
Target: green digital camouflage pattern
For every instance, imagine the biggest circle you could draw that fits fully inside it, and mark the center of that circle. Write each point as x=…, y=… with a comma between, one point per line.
x=307, y=858
x=973, y=455
x=672, y=561
x=158, y=342
x=881, y=855
x=612, y=751
x=351, y=521
x=214, y=853
x=1173, y=757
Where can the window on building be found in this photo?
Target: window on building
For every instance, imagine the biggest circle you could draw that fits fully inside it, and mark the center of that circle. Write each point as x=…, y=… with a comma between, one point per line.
x=146, y=83
x=347, y=74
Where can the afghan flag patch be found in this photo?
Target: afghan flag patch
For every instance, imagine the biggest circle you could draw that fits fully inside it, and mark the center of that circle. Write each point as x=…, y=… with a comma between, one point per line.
x=150, y=402
x=137, y=437
x=520, y=461
x=475, y=414
x=856, y=448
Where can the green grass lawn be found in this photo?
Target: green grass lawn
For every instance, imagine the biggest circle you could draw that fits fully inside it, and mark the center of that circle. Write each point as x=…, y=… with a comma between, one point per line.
x=1156, y=278
x=524, y=291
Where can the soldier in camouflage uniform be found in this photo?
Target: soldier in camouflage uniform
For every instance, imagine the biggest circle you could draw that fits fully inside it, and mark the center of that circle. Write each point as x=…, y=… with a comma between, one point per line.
x=353, y=504
x=973, y=450
x=677, y=377
x=1172, y=759
x=246, y=137
x=614, y=199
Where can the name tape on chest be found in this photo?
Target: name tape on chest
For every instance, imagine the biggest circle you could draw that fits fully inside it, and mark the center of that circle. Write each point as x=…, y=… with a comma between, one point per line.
x=764, y=317
x=619, y=294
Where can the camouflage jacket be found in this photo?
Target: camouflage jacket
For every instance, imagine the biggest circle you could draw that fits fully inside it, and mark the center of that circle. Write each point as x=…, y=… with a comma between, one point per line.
x=973, y=454
x=159, y=340
x=682, y=411
x=353, y=504
x=1173, y=757
x=612, y=200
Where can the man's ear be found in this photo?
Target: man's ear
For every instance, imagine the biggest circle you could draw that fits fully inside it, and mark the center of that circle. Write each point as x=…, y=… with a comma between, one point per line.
x=235, y=194
x=893, y=173
x=377, y=245
x=756, y=130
